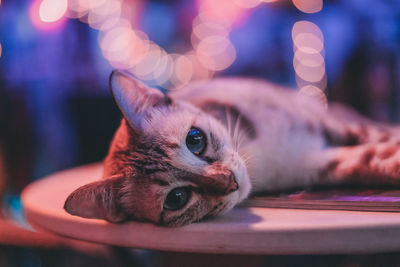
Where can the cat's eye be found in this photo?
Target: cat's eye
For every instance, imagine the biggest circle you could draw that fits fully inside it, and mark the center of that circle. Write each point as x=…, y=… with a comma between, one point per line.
x=177, y=198
x=196, y=141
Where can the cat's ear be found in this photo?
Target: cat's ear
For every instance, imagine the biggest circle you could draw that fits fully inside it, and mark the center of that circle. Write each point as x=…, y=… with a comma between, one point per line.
x=134, y=98
x=97, y=200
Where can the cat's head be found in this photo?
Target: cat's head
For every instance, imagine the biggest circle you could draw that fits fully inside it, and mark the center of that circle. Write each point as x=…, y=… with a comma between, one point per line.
x=170, y=163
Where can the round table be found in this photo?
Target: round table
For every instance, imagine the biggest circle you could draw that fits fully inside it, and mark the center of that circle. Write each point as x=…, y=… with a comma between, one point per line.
x=242, y=230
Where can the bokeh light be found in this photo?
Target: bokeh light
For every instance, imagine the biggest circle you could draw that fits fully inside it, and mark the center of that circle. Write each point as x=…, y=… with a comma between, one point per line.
x=308, y=41
x=105, y=16
x=203, y=29
x=163, y=71
x=247, y=3
x=52, y=10
x=149, y=62
x=310, y=91
x=128, y=48
x=216, y=53
x=303, y=27
x=308, y=6
x=48, y=14
x=199, y=71
x=224, y=12
x=308, y=60
x=77, y=8
x=212, y=51
x=183, y=71
x=309, y=66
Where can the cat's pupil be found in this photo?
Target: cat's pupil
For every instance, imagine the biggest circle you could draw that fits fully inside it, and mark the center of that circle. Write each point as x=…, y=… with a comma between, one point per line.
x=196, y=141
x=177, y=198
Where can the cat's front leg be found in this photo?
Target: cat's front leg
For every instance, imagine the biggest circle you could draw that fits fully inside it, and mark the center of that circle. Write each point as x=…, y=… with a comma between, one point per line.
x=366, y=164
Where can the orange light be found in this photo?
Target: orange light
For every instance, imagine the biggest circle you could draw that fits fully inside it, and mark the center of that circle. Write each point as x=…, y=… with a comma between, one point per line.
x=105, y=16
x=216, y=53
x=163, y=71
x=308, y=6
x=116, y=42
x=305, y=26
x=320, y=84
x=52, y=10
x=77, y=8
x=224, y=12
x=145, y=67
x=247, y=3
x=308, y=60
x=129, y=49
x=183, y=71
x=313, y=92
x=304, y=57
x=199, y=71
x=308, y=41
x=309, y=67
x=40, y=13
x=203, y=29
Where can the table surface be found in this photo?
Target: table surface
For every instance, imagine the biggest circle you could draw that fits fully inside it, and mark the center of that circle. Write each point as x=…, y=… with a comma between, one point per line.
x=242, y=230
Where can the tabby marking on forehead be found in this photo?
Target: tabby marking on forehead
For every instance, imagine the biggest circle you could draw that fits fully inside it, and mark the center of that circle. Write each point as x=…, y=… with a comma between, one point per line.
x=161, y=182
x=221, y=110
x=215, y=143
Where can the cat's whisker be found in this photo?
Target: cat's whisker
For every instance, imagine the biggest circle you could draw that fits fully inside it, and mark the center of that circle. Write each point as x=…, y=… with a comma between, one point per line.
x=247, y=157
x=236, y=133
x=241, y=137
x=228, y=121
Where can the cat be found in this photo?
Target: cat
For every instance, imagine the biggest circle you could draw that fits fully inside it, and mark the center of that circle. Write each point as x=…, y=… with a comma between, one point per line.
x=193, y=153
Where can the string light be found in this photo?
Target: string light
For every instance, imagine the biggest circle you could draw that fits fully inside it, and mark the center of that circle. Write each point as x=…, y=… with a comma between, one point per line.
x=212, y=51
x=308, y=48
x=127, y=48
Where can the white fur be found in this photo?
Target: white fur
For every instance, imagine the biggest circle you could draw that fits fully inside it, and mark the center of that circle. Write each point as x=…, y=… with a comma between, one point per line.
x=284, y=154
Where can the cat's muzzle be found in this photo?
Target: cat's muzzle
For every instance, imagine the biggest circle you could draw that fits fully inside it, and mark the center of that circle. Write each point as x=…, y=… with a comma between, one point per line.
x=232, y=185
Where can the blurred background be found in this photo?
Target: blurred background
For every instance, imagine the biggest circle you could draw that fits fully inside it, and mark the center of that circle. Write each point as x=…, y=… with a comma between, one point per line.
x=56, y=56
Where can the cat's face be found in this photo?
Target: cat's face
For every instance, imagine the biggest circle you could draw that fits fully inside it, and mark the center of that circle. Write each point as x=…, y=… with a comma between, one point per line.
x=170, y=163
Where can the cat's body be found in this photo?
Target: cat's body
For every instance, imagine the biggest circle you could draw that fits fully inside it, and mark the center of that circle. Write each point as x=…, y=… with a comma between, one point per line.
x=199, y=151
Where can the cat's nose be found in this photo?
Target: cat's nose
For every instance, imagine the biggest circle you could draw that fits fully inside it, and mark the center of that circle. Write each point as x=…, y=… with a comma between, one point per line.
x=221, y=183
x=232, y=185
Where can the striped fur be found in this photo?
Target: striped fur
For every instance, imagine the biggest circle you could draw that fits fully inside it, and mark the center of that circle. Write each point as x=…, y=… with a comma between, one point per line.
x=260, y=138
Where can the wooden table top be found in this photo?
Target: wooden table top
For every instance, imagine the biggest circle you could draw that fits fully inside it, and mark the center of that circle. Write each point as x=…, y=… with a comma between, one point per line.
x=242, y=230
